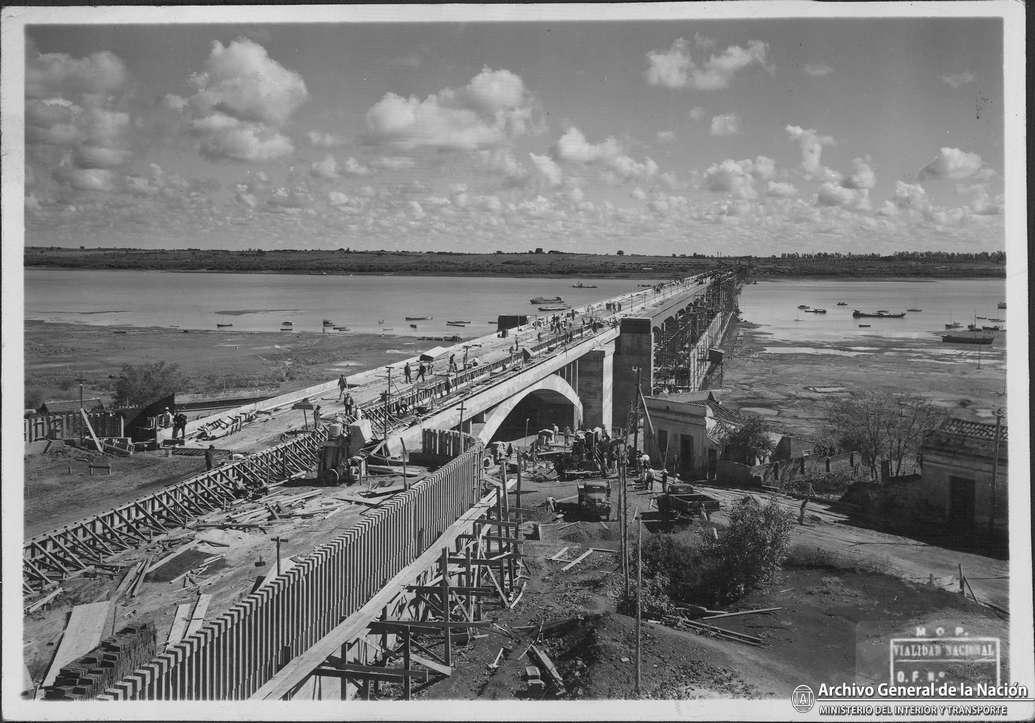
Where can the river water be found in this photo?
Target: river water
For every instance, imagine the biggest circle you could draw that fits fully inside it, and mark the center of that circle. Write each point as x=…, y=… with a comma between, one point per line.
x=261, y=302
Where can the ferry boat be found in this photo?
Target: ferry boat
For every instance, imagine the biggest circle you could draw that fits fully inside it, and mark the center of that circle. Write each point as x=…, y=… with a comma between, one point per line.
x=970, y=336
x=803, y=306
x=882, y=314
x=815, y=311
x=545, y=300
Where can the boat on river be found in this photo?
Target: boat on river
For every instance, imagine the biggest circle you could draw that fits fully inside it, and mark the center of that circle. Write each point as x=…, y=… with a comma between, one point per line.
x=914, y=310
x=882, y=314
x=581, y=285
x=545, y=300
x=954, y=325
x=803, y=306
x=815, y=311
x=842, y=303
x=864, y=326
x=553, y=308
x=418, y=318
x=413, y=326
x=223, y=326
x=457, y=323
x=970, y=336
x=1001, y=305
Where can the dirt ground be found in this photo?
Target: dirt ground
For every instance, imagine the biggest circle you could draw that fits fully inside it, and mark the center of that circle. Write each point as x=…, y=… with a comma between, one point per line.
x=243, y=556
x=55, y=354
x=830, y=621
x=794, y=390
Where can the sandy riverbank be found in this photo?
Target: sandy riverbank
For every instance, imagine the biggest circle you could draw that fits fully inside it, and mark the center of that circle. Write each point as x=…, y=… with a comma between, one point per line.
x=57, y=353
x=793, y=384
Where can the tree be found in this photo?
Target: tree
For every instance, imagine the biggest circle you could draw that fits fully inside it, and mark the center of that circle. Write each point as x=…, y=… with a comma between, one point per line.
x=751, y=549
x=749, y=441
x=620, y=252
x=141, y=384
x=881, y=426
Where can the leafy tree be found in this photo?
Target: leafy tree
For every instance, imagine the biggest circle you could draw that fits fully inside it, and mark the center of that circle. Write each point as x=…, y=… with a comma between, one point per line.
x=141, y=384
x=33, y=397
x=749, y=441
x=751, y=549
x=620, y=252
x=881, y=426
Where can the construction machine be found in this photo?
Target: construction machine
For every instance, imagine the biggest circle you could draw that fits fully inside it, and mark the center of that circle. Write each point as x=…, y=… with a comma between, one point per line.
x=336, y=463
x=595, y=499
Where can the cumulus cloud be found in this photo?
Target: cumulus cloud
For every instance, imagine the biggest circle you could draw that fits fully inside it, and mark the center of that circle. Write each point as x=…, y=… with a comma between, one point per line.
x=817, y=70
x=697, y=113
x=573, y=147
x=327, y=168
x=548, y=169
x=243, y=98
x=725, y=125
x=492, y=108
x=781, y=189
x=503, y=161
x=732, y=177
x=173, y=102
x=862, y=175
x=952, y=163
x=811, y=144
x=958, y=79
x=831, y=194
x=355, y=168
x=666, y=137
x=676, y=68
x=319, y=139
x=909, y=195
x=74, y=104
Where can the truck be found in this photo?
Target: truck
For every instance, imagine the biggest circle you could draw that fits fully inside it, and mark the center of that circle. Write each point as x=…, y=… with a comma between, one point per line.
x=595, y=499
x=682, y=499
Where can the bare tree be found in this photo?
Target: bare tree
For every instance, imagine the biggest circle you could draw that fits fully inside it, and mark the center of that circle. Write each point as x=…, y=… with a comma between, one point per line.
x=881, y=426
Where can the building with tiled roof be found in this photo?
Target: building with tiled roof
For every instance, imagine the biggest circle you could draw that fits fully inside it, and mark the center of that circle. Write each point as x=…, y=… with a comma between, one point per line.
x=965, y=475
x=686, y=432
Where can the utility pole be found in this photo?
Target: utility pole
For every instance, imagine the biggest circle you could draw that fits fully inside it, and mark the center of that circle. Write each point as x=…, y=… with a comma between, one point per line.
x=636, y=412
x=279, y=540
x=639, y=606
x=623, y=503
x=81, y=381
x=995, y=469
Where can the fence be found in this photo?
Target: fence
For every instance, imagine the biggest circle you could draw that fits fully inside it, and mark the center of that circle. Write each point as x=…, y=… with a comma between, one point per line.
x=70, y=424
x=234, y=655
x=80, y=544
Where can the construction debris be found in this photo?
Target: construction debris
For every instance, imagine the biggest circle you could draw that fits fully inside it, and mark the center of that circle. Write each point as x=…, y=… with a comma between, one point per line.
x=43, y=601
x=547, y=664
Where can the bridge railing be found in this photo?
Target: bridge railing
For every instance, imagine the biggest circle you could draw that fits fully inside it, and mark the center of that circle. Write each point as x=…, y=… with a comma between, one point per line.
x=233, y=655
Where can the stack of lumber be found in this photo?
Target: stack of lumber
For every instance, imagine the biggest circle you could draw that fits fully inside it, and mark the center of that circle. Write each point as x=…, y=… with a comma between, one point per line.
x=87, y=625
x=88, y=675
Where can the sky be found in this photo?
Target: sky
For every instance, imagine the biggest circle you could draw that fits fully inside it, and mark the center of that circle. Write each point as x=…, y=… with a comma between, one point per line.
x=682, y=136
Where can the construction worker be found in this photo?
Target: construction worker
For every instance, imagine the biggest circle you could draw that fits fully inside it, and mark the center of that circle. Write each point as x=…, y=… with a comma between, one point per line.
x=420, y=372
x=452, y=363
x=809, y=493
x=165, y=419
x=406, y=373
x=664, y=480
x=648, y=479
x=316, y=417
x=210, y=457
x=343, y=385
x=179, y=425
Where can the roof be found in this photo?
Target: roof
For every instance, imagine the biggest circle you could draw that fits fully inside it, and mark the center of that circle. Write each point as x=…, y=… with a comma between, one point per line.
x=723, y=414
x=975, y=430
x=60, y=406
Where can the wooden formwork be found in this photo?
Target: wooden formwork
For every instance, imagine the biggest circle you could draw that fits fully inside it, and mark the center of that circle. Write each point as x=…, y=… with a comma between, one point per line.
x=47, y=557
x=233, y=655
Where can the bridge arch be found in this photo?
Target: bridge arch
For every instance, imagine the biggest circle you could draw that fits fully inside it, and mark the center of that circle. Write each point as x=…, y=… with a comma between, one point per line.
x=552, y=389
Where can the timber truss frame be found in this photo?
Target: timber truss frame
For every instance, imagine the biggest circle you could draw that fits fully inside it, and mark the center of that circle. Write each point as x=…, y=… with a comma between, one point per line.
x=410, y=645
x=48, y=558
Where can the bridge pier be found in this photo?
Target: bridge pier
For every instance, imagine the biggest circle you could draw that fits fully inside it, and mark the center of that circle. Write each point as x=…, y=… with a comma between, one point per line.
x=634, y=348
x=596, y=386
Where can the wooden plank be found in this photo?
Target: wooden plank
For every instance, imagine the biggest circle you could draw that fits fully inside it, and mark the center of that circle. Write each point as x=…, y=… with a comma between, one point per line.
x=548, y=665
x=458, y=589
x=351, y=670
x=432, y=665
x=171, y=555
x=197, y=616
x=424, y=626
x=33, y=607
x=87, y=626
x=353, y=626
x=96, y=442
x=179, y=624
x=577, y=560
x=560, y=553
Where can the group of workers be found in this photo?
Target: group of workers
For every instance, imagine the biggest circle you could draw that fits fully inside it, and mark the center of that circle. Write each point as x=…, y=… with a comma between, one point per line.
x=176, y=420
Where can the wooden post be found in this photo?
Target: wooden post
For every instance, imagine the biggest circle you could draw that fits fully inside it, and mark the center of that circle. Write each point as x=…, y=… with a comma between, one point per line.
x=639, y=606
x=406, y=660
x=444, y=569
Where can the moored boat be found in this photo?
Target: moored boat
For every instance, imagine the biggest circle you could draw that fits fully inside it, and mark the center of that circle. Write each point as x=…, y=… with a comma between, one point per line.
x=418, y=318
x=545, y=300
x=970, y=336
x=553, y=308
x=864, y=326
x=914, y=310
x=223, y=326
x=1001, y=305
x=882, y=314
x=842, y=303
x=581, y=285
x=803, y=306
x=954, y=325
x=815, y=311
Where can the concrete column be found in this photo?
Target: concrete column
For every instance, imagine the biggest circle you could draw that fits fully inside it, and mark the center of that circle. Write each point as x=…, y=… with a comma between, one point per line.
x=633, y=348
x=595, y=385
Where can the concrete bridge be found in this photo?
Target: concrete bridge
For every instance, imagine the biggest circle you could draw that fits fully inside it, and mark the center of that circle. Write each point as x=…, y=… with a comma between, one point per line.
x=353, y=603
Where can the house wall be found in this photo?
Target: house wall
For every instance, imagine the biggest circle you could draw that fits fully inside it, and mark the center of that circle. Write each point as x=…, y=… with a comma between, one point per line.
x=940, y=466
x=676, y=421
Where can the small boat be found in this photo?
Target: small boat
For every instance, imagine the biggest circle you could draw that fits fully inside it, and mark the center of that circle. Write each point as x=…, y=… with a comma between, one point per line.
x=581, y=285
x=803, y=306
x=971, y=336
x=119, y=331
x=418, y=318
x=328, y=322
x=457, y=323
x=914, y=310
x=882, y=314
x=842, y=303
x=1001, y=305
x=286, y=323
x=223, y=326
x=286, y=328
x=815, y=311
x=954, y=325
x=553, y=308
x=864, y=326
x=991, y=328
x=341, y=328
x=996, y=320
x=413, y=326
x=545, y=300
